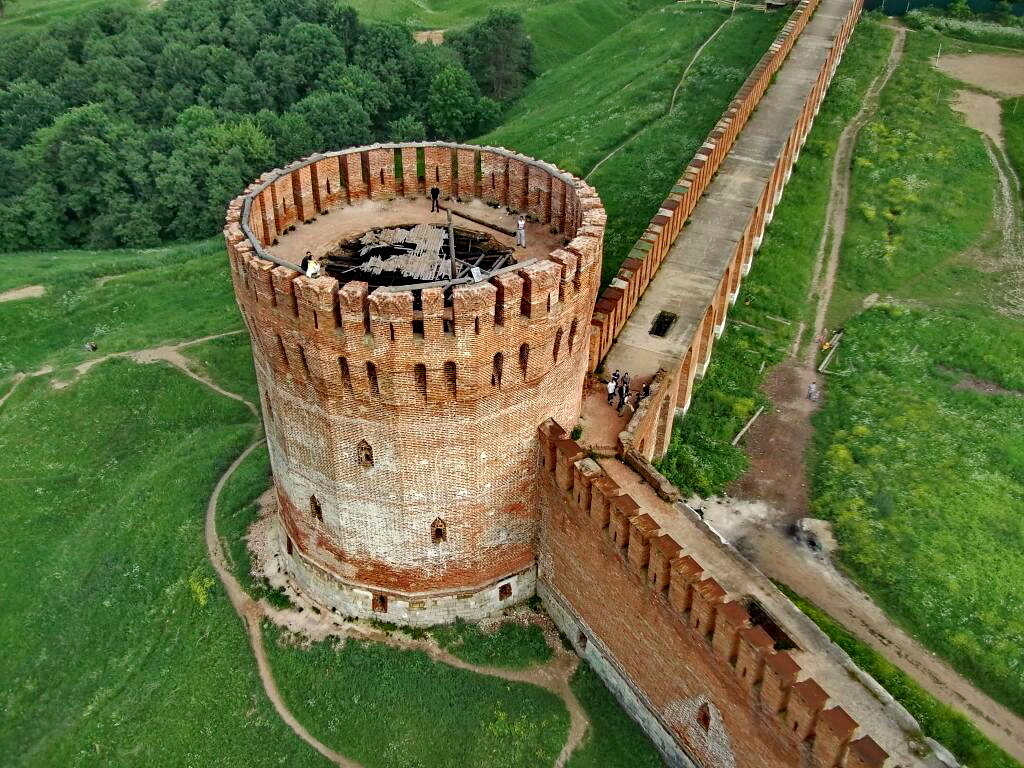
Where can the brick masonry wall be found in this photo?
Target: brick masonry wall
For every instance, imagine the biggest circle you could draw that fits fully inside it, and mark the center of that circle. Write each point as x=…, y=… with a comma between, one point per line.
x=390, y=415
x=649, y=429
x=684, y=659
x=621, y=296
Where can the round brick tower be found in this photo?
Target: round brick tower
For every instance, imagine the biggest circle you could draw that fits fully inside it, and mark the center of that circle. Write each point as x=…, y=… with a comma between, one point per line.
x=402, y=389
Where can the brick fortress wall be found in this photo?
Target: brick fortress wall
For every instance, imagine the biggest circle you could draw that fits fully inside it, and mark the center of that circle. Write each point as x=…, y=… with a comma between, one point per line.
x=693, y=666
x=392, y=414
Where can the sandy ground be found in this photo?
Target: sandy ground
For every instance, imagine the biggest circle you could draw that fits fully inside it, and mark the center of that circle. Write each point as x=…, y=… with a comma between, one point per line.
x=982, y=112
x=25, y=292
x=1000, y=73
x=435, y=36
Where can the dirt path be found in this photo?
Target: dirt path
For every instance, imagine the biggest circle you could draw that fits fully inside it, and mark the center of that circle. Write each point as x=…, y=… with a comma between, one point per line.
x=25, y=292
x=773, y=493
x=672, y=101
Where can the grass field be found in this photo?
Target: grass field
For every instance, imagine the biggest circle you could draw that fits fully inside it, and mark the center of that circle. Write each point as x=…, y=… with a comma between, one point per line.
x=1013, y=133
x=625, y=85
x=24, y=15
x=922, y=480
x=701, y=457
x=510, y=645
x=945, y=725
x=546, y=22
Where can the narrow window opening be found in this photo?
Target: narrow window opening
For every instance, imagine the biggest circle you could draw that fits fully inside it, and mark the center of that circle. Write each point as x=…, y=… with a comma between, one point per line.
x=494, y=184
x=524, y=358
x=328, y=186
x=421, y=380
x=549, y=302
x=581, y=641
x=346, y=379
x=476, y=325
x=392, y=331
x=438, y=531
x=380, y=603
x=704, y=717
x=270, y=408
x=417, y=328
x=572, y=335
x=796, y=725
x=371, y=374
x=496, y=373
x=437, y=173
x=558, y=345
x=504, y=591
x=305, y=362
x=451, y=378
x=447, y=325
x=289, y=547
x=382, y=177
x=316, y=509
x=364, y=167
x=364, y=454
x=281, y=350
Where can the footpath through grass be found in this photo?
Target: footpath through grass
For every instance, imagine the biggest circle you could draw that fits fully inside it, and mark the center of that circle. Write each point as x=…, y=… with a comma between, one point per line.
x=575, y=115
x=1013, y=133
x=947, y=726
x=701, y=457
x=922, y=476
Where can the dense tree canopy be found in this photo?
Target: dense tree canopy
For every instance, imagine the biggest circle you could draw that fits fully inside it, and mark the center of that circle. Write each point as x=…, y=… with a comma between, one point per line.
x=127, y=128
x=497, y=52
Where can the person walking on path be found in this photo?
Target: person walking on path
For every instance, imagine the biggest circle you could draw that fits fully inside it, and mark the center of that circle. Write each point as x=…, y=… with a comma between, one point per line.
x=625, y=381
x=623, y=396
x=521, y=232
x=435, y=194
x=612, y=386
x=616, y=376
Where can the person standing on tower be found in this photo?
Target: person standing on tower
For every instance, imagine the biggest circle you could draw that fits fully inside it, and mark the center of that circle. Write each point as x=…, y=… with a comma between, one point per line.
x=521, y=231
x=435, y=194
x=613, y=385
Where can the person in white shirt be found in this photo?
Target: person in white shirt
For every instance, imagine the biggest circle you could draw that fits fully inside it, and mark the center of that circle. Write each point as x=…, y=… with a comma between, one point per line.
x=613, y=385
x=521, y=232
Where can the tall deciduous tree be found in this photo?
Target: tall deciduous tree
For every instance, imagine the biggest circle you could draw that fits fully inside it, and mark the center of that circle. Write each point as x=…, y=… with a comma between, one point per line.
x=498, y=54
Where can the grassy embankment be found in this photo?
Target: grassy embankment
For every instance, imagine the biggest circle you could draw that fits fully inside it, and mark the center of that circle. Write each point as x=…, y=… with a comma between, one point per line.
x=922, y=477
x=624, y=85
x=947, y=726
x=701, y=457
x=1013, y=133
x=24, y=15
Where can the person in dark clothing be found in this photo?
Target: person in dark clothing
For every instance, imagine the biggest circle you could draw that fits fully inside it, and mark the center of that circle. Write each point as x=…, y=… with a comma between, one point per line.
x=623, y=396
x=645, y=390
x=625, y=381
x=304, y=264
x=435, y=194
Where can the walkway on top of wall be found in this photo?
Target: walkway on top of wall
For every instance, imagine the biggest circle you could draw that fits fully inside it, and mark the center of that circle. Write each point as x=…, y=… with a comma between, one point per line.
x=687, y=280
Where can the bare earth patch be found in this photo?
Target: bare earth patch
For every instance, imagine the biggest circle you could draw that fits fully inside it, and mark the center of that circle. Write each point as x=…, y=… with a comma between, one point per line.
x=25, y=292
x=1002, y=74
x=435, y=36
x=982, y=112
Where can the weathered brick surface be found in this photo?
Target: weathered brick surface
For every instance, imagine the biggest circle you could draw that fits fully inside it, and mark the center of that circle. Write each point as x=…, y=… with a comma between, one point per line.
x=436, y=391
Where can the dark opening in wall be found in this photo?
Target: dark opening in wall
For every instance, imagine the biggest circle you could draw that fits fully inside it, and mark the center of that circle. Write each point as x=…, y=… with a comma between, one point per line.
x=270, y=408
x=524, y=358
x=662, y=323
x=382, y=177
x=281, y=350
x=704, y=717
x=371, y=375
x=289, y=547
x=305, y=362
x=504, y=591
x=417, y=328
x=558, y=345
x=581, y=641
x=315, y=508
x=499, y=362
x=364, y=454
x=572, y=334
x=438, y=531
x=476, y=325
x=759, y=617
x=346, y=378
x=451, y=378
x=420, y=373
x=380, y=603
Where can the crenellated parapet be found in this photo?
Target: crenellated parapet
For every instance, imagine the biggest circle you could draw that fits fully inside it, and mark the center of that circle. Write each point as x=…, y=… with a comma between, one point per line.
x=780, y=687
x=388, y=344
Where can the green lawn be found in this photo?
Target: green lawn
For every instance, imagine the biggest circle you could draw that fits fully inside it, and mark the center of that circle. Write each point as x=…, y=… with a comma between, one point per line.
x=509, y=645
x=613, y=741
x=624, y=85
x=547, y=22
x=1013, y=133
x=924, y=482
x=388, y=708
x=23, y=15
x=701, y=457
x=950, y=728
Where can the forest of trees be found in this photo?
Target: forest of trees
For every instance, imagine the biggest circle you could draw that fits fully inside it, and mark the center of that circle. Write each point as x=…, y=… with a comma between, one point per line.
x=130, y=128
